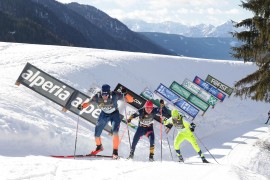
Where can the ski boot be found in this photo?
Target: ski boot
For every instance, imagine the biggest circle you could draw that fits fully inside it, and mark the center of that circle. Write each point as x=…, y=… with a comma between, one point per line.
x=181, y=159
x=151, y=157
x=204, y=160
x=115, y=154
x=99, y=148
x=131, y=155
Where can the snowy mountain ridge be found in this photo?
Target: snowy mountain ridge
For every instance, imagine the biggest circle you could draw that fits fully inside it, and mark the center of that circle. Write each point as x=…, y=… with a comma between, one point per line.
x=169, y=27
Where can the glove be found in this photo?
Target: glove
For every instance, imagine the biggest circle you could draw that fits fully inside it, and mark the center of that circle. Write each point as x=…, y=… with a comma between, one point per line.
x=192, y=127
x=129, y=98
x=169, y=126
x=123, y=90
x=165, y=122
x=161, y=103
x=129, y=119
x=80, y=107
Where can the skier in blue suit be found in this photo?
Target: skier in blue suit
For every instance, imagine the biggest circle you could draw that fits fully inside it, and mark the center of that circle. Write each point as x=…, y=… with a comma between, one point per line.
x=107, y=102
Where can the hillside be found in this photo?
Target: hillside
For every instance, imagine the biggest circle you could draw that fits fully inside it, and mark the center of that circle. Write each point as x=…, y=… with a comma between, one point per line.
x=32, y=127
x=51, y=22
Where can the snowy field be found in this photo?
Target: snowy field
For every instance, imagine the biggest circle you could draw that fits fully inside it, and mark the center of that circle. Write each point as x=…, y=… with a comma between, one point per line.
x=32, y=127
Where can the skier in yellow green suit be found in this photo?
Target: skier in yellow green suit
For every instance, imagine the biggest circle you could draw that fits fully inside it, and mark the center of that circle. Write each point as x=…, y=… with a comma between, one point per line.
x=184, y=133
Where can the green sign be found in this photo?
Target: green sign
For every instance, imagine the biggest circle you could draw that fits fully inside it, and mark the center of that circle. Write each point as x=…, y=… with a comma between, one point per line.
x=201, y=93
x=223, y=87
x=189, y=96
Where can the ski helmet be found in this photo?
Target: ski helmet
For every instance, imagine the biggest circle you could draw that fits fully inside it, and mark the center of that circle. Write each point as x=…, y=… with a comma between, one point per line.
x=105, y=90
x=148, y=106
x=175, y=113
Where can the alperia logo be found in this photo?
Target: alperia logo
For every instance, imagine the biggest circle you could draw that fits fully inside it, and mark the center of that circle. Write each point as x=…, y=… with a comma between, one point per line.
x=37, y=80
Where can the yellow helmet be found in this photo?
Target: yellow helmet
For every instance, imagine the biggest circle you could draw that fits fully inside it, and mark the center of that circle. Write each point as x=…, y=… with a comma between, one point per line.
x=176, y=114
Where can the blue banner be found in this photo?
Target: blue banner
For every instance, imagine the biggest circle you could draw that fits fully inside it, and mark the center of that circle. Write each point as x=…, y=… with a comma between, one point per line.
x=209, y=88
x=177, y=100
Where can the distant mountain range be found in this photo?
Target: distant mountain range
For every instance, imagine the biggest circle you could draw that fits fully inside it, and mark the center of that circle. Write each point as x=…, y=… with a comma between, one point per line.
x=51, y=22
x=73, y=24
x=204, y=47
x=201, y=30
x=201, y=41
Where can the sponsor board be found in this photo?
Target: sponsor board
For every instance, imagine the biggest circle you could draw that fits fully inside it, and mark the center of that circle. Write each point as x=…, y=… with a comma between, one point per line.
x=177, y=100
x=181, y=91
x=46, y=85
x=58, y=92
x=138, y=101
x=218, y=84
x=201, y=93
x=209, y=88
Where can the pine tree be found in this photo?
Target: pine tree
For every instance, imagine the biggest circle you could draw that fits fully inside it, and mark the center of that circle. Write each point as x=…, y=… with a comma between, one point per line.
x=255, y=48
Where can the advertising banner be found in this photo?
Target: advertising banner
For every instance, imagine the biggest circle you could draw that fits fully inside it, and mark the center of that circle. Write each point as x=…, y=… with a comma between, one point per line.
x=223, y=87
x=138, y=101
x=46, y=85
x=177, y=100
x=180, y=90
x=58, y=92
x=198, y=91
x=209, y=88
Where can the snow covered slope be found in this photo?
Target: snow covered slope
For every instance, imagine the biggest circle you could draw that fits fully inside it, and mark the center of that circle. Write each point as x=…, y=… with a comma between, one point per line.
x=32, y=127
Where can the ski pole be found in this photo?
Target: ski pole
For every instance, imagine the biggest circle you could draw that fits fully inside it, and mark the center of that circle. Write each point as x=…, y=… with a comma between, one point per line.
x=205, y=147
x=123, y=134
x=169, y=145
x=76, y=134
x=161, y=133
x=127, y=121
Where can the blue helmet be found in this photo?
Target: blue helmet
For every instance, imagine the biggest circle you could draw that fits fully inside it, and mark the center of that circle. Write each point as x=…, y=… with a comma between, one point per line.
x=105, y=89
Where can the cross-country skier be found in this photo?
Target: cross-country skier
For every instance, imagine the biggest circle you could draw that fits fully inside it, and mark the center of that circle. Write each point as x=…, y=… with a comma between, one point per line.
x=107, y=102
x=145, y=127
x=268, y=117
x=185, y=130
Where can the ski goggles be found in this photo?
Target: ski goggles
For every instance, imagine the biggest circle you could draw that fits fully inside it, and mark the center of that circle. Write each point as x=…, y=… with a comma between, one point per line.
x=105, y=93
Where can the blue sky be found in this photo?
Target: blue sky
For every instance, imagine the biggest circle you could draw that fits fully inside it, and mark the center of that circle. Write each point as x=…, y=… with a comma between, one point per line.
x=191, y=12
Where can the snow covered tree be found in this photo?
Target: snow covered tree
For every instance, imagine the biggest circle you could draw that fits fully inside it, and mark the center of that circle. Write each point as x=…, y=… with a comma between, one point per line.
x=255, y=48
